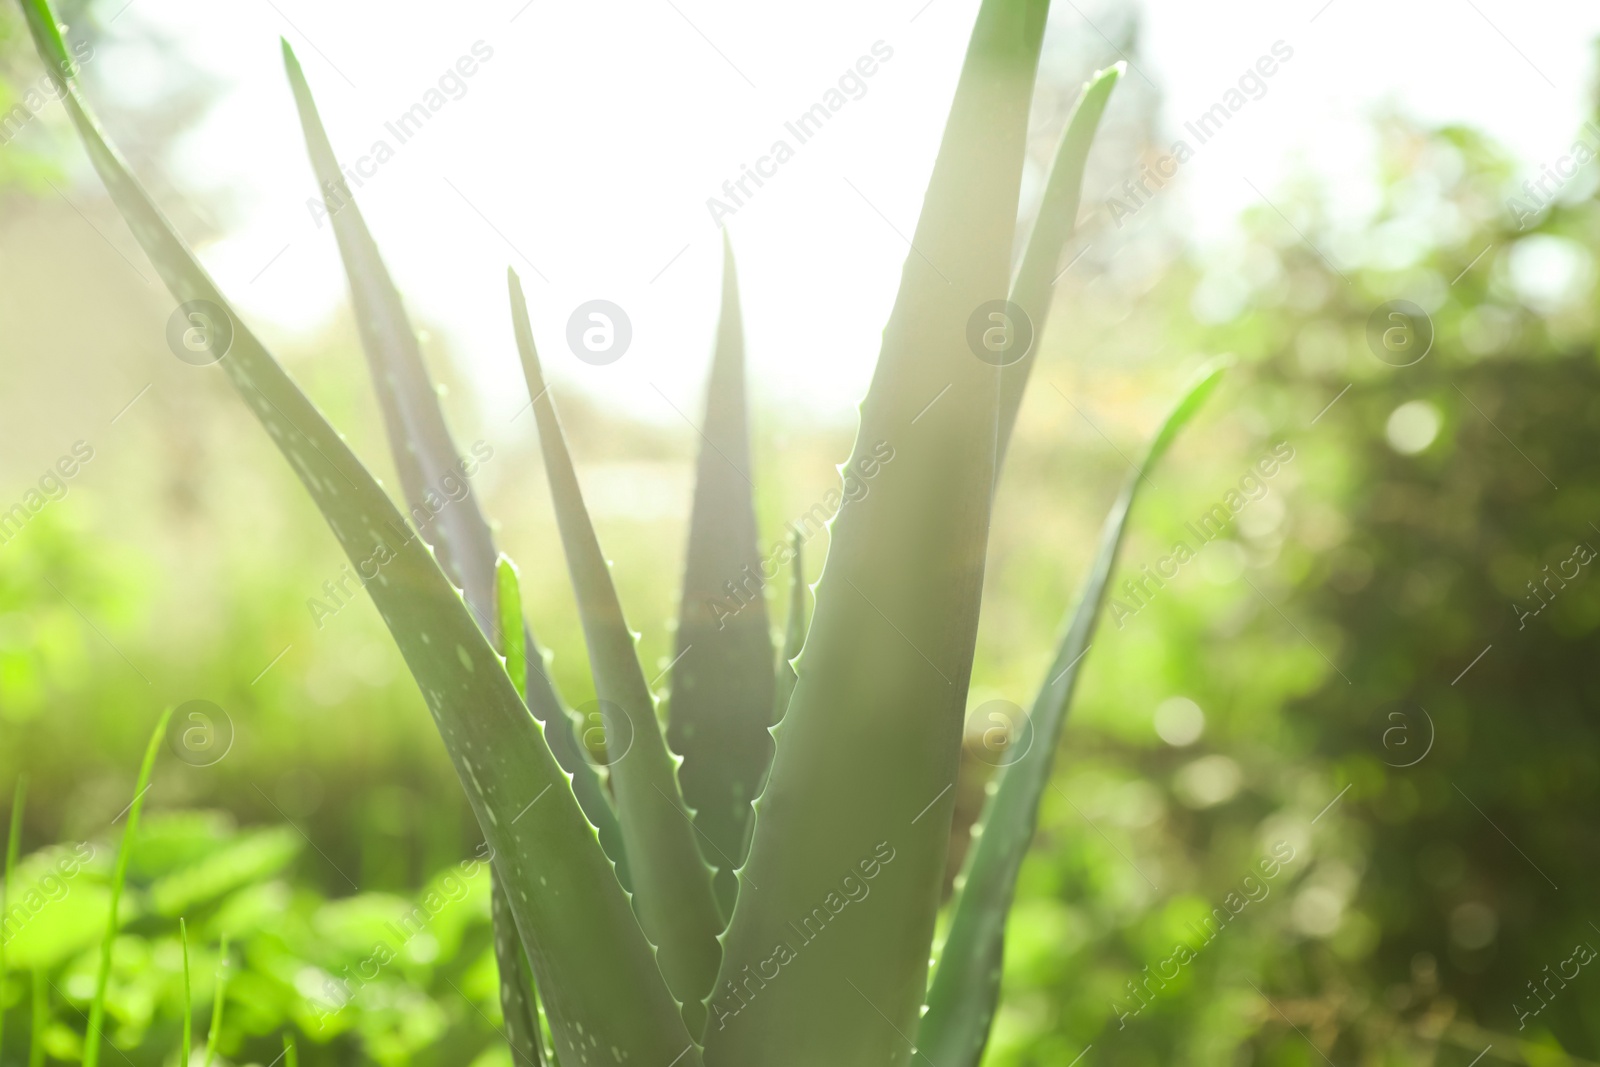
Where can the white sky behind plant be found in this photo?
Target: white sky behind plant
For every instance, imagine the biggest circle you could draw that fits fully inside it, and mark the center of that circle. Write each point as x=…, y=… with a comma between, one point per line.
x=591, y=140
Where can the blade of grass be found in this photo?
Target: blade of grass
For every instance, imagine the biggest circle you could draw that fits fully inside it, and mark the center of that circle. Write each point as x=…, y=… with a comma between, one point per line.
x=13, y=847
x=671, y=883
x=429, y=463
x=1036, y=275
x=794, y=634
x=187, y=1047
x=41, y=1018
x=722, y=674
x=291, y=1055
x=219, y=998
x=119, y=878
x=867, y=751
x=966, y=985
x=584, y=943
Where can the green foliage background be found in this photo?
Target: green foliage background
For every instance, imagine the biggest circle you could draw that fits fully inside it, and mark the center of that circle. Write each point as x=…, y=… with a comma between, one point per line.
x=1420, y=901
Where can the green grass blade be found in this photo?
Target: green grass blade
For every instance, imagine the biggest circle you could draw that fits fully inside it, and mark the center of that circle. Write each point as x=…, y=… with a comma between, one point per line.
x=867, y=751
x=218, y=1000
x=722, y=678
x=187, y=1047
x=291, y=1054
x=794, y=634
x=966, y=985
x=516, y=983
x=13, y=848
x=438, y=495
x=580, y=932
x=1036, y=276
x=41, y=1018
x=671, y=883
x=119, y=878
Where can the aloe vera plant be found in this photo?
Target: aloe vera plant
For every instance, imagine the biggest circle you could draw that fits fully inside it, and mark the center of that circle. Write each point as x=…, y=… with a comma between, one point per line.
x=758, y=881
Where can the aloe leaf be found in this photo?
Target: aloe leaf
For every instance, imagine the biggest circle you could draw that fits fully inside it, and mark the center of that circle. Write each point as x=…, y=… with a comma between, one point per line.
x=1036, y=276
x=671, y=883
x=794, y=634
x=722, y=678
x=438, y=494
x=516, y=983
x=852, y=828
x=583, y=941
x=517, y=1004
x=966, y=985
x=119, y=878
x=188, y=997
x=13, y=847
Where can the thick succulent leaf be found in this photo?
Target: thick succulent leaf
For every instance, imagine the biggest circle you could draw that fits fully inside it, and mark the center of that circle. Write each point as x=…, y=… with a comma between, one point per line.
x=672, y=892
x=573, y=915
x=438, y=494
x=794, y=634
x=842, y=884
x=722, y=678
x=517, y=1003
x=516, y=983
x=1052, y=226
x=966, y=985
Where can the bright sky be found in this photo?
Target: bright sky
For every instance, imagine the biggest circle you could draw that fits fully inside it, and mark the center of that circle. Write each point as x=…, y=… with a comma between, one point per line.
x=583, y=149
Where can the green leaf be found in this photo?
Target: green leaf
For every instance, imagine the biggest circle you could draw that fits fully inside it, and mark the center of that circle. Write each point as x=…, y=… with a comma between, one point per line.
x=119, y=877
x=517, y=1004
x=1036, y=276
x=794, y=635
x=966, y=985
x=214, y=1027
x=516, y=984
x=671, y=883
x=433, y=475
x=827, y=954
x=13, y=845
x=252, y=857
x=188, y=997
x=573, y=915
x=722, y=678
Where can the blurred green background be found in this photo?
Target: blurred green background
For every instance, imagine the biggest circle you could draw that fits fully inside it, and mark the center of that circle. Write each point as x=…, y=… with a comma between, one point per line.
x=1352, y=674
